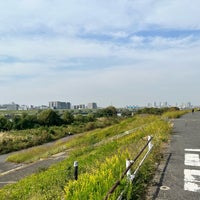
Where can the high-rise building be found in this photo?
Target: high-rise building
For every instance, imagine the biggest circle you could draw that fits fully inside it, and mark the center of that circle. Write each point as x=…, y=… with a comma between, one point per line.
x=59, y=105
x=80, y=106
x=92, y=106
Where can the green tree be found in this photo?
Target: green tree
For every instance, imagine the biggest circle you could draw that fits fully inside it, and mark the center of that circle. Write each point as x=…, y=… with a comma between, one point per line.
x=126, y=113
x=67, y=117
x=16, y=122
x=90, y=117
x=4, y=123
x=110, y=111
x=49, y=118
x=29, y=121
x=80, y=118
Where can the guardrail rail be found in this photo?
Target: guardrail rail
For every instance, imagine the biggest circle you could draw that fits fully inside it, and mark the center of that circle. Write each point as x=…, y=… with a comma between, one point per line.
x=129, y=164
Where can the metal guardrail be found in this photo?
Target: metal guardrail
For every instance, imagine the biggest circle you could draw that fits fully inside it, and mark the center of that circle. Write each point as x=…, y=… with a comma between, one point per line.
x=129, y=164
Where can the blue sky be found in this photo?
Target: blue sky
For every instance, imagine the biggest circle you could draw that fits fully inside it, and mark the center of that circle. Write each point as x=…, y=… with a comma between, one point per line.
x=119, y=52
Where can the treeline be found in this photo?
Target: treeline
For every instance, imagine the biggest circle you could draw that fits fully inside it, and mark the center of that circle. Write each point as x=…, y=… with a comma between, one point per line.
x=156, y=111
x=52, y=118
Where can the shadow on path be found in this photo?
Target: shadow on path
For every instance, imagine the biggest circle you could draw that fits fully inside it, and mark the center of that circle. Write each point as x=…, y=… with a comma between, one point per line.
x=162, y=175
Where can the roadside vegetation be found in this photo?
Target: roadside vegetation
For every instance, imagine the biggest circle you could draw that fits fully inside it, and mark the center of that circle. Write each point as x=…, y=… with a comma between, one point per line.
x=25, y=120
x=175, y=114
x=49, y=126
x=22, y=130
x=86, y=139
x=101, y=154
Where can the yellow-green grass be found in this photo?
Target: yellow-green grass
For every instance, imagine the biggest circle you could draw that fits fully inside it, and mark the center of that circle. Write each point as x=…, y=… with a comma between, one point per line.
x=95, y=176
x=98, y=181
x=89, y=138
x=15, y=140
x=35, y=153
x=175, y=114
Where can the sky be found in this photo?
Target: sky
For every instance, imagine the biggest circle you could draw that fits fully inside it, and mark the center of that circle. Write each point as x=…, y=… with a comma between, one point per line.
x=112, y=52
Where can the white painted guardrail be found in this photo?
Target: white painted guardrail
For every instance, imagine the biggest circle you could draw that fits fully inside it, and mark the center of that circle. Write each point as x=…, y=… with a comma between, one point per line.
x=129, y=164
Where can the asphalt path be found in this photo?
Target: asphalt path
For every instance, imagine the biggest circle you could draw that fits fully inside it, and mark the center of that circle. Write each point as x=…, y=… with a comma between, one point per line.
x=178, y=175
x=11, y=172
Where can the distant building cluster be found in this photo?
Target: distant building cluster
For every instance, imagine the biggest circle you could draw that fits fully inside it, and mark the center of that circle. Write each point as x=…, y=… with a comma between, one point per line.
x=14, y=106
x=11, y=106
x=67, y=105
x=165, y=104
x=52, y=105
x=132, y=107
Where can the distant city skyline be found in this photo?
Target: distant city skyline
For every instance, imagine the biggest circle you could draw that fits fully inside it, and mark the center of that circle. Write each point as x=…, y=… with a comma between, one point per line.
x=91, y=105
x=116, y=52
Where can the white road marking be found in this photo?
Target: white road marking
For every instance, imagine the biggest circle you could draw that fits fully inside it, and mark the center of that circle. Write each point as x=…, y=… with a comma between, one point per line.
x=8, y=182
x=192, y=180
x=192, y=176
x=192, y=159
x=12, y=170
x=193, y=150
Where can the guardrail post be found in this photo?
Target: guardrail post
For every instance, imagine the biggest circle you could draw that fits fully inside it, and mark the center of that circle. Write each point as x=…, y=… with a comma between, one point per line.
x=150, y=145
x=76, y=170
x=128, y=163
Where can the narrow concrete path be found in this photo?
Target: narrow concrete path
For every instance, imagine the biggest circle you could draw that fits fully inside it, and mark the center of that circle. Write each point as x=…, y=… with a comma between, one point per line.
x=11, y=172
x=17, y=172
x=178, y=175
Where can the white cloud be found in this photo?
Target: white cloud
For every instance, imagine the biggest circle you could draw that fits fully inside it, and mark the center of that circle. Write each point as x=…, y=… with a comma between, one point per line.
x=73, y=16
x=110, y=51
x=177, y=14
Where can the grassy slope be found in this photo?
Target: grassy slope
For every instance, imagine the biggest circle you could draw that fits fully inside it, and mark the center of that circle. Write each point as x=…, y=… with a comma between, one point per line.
x=94, y=181
x=15, y=140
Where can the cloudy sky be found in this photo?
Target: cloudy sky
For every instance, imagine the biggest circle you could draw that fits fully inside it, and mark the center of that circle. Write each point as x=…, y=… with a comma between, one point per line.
x=113, y=52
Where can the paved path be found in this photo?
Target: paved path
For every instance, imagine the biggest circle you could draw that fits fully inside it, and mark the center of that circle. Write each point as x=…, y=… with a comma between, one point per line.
x=178, y=176
x=11, y=173
x=18, y=172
